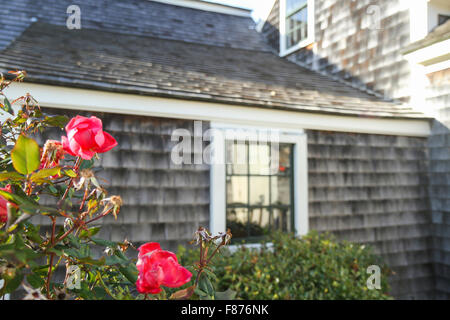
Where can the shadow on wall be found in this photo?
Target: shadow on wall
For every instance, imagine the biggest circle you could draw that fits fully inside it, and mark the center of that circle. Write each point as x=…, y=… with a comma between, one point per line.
x=439, y=190
x=305, y=57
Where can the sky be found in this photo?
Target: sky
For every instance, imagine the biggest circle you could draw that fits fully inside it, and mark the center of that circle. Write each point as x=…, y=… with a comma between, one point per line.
x=260, y=7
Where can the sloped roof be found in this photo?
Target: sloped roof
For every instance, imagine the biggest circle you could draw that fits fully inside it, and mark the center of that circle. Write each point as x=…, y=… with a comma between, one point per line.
x=166, y=57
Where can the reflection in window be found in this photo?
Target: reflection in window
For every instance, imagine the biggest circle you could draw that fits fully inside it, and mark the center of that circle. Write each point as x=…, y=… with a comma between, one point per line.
x=259, y=194
x=296, y=22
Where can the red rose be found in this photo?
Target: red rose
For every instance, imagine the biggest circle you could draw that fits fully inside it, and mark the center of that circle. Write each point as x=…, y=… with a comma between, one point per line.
x=159, y=268
x=4, y=205
x=85, y=137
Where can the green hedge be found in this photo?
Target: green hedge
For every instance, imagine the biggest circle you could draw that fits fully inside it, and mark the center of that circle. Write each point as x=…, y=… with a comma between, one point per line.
x=314, y=267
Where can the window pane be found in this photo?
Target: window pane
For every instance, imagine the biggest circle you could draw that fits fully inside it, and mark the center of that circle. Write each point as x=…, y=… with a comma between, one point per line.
x=297, y=27
x=259, y=156
x=292, y=5
x=259, y=191
x=281, y=190
x=284, y=159
x=237, y=190
x=236, y=157
x=237, y=219
x=259, y=222
x=281, y=219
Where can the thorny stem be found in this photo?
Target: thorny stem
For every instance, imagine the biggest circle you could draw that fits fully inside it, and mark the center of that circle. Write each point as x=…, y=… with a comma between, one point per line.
x=52, y=255
x=100, y=216
x=86, y=192
x=99, y=277
x=204, y=256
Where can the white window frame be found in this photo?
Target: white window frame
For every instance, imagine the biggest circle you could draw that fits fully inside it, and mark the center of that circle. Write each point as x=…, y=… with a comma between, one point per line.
x=305, y=42
x=218, y=204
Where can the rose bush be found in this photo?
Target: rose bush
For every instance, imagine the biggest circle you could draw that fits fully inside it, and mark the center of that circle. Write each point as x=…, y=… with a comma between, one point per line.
x=62, y=171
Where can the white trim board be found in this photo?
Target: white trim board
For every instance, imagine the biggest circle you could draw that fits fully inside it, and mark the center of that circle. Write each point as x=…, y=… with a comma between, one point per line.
x=218, y=177
x=133, y=104
x=430, y=52
x=209, y=6
x=305, y=42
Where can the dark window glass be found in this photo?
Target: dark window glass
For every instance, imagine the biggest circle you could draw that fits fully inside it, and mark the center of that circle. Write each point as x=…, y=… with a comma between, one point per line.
x=259, y=192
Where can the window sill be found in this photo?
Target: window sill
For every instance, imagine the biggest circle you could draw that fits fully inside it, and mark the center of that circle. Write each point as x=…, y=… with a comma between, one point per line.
x=252, y=246
x=302, y=44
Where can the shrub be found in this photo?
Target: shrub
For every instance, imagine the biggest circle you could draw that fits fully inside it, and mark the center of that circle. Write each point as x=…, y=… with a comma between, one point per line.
x=314, y=267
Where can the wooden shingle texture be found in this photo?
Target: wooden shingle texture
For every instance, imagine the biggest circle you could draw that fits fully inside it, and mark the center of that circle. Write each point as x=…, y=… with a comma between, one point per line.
x=163, y=202
x=372, y=189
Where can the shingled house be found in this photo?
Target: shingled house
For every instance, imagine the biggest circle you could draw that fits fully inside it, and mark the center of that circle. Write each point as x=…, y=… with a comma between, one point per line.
x=352, y=160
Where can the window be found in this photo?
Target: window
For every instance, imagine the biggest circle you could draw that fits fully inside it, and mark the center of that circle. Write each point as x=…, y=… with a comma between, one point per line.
x=442, y=18
x=296, y=25
x=259, y=197
x=296, y=22
x=258, y=187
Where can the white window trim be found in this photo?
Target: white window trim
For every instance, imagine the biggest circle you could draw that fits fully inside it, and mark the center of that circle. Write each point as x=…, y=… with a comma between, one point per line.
x=218, y=177
x=310, y=38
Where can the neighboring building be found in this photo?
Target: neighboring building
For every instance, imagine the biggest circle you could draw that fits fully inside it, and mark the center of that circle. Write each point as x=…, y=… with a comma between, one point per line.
x=355, y=159
x=397, y=49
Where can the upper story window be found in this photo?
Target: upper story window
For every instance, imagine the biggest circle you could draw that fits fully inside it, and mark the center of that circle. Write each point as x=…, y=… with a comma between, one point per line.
x=296, y=25
x=296, y=21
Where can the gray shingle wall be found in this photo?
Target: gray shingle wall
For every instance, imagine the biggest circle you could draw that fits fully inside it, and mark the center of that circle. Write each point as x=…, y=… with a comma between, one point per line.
x=352, y=47
x=372, y=189
x=439, y=143
x=163, y=202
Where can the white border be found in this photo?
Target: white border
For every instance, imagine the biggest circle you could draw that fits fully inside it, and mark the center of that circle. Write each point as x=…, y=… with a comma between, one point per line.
x=209, y=6
x=218, y=179
x=430, y=52
x=134, y=104
x=303, y=43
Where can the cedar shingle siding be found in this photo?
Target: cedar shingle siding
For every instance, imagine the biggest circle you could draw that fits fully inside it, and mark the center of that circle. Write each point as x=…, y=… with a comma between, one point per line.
x=347, y=47
x=163, y=202
x=372, y=189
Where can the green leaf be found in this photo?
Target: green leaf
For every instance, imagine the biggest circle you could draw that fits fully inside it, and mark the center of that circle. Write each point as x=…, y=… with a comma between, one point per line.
x=205, y=285
x=25, y=155
x=200, y=292
x=130, y=272
x=7, y=106
x=113, y=260
x=226, y=295
x=57, y=121
x=104, y=243
x=84, y=234
x=45, y=173
x=13, y=176
x=35, y=280
x=27, y=204
x=70, y=173
x=14, y=283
